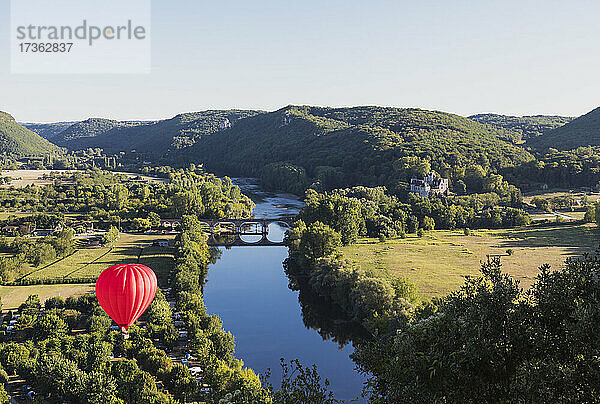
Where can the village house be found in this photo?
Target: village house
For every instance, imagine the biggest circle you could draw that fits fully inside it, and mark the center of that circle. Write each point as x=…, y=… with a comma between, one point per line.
x=170, y=223
x=432, y=184
x=81, y=227
x=161, y=243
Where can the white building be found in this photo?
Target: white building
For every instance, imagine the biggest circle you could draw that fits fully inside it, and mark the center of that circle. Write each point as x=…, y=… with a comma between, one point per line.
x=225, y=124
x=432, y=184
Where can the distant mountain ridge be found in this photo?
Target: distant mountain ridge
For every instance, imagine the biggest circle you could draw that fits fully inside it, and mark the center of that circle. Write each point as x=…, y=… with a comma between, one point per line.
x=17, y=140
x=582, y=131
x=528, y=127
x=47, y=130
x=153, y=138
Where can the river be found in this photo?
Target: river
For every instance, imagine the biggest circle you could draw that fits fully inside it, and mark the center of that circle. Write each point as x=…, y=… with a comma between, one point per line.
x=248, y=289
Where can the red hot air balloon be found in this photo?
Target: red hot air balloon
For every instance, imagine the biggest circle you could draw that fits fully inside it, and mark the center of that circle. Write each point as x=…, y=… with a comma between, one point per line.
x=125, y=291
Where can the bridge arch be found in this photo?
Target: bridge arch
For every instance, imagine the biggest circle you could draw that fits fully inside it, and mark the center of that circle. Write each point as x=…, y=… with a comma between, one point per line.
x=276, y=230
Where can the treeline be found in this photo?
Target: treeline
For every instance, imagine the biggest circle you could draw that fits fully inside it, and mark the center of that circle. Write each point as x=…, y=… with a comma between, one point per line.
x=527, y=127
x=314, y=262
x=372, y=212
x=578, y=167
x=114, y=198
x=212, y=347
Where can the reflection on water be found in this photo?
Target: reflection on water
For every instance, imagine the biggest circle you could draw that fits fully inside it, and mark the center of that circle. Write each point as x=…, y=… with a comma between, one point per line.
x=247, y=287
x=328, y=320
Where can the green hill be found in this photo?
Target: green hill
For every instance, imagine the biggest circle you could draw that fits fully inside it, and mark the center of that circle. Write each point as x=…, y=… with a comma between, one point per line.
x=18, y=140
x=357, y=145
x=90, y=128
x=583, y=131
x=527, y=127
x=153, y=139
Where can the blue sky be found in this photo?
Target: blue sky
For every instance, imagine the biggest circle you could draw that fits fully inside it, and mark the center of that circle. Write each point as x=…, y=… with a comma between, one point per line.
x=465, y=57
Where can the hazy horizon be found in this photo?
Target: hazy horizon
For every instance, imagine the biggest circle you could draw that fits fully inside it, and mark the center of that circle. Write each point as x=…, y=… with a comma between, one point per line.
x=514, y=58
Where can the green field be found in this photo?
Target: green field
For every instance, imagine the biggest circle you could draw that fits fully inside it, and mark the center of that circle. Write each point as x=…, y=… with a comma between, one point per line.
x=89, y=262
x=438, y=262
x=551, y=193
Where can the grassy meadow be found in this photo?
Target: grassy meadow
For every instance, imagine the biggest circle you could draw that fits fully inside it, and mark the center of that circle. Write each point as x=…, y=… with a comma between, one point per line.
x=438, y=262
x=13, y=296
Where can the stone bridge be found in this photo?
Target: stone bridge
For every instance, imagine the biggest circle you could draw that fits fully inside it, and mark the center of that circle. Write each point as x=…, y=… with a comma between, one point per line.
x=229, y=232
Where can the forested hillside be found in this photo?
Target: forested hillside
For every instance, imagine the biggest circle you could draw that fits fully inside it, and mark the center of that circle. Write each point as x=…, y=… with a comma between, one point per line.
x=17, y=140
x=583, y=131
x=362, y=145
x=47, y=130
x=527, y=126
x=89, y=128
x=152, y=138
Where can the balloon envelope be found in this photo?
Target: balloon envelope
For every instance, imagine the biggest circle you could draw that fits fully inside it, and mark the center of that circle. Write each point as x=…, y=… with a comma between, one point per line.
x=125, y=291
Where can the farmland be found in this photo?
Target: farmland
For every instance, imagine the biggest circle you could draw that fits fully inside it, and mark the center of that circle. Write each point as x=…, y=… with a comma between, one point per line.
x=23, y=178
x=89, y=262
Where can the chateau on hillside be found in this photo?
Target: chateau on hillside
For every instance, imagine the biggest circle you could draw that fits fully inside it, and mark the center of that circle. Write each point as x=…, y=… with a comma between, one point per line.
x=432, y=184
x=225, y=124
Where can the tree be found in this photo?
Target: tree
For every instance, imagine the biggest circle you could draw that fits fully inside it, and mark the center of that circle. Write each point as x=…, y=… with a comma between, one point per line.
x=159, y=311
x=541, y=203
x=63, y=243
x=31, y=306
x=99, y=388
x=181, y=383
x=154, y=219
x=12, y=355
x=319, y=240
x=412, y=167
x=54, y=302
x=428, y=223
x=133, y=384
x=43, y=253
x=302, y=384
x=50, y=325
x=120, y=198
x=98, y=355
x=590, y=214
x=4, y=396
x=141, y=224
x=110, y=236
